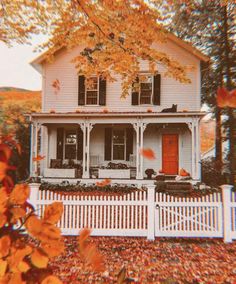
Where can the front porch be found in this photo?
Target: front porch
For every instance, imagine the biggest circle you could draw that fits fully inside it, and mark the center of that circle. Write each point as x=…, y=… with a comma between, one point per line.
x=90, y=147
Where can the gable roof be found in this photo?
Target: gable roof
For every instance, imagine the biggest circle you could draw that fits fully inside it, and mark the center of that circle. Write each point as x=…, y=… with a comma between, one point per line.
x=36, y=63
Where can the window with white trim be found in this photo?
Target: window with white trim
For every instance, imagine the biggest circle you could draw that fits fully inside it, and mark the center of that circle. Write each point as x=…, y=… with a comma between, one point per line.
x=92, y=91
x=145, y=89
x=118, y=145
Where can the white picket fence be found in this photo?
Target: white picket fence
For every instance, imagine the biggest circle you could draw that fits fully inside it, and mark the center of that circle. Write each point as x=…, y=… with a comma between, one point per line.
x=144, y=213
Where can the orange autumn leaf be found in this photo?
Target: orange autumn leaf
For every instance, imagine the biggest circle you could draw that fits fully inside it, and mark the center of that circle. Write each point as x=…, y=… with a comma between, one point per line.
x=148, y=154
x=226, y=98
x=94, y=258
x=54, y=248
x=3, y=267
x=17, y=255
x=5, y=243
x=39, y=258
x=83, y=236
x=56, y=85
x=53, y=212
x=6, y=151
x=3, y=219
x=103, y=183
x=20, y=194
x=23, y=266
x=51, y=280
x=4, y=168
x=16, y=278
x=3, y=199
x=38, y=158
x=17, y=213
x=89, y=252
x=121, y=276
x=49, y=233
x=34, y=225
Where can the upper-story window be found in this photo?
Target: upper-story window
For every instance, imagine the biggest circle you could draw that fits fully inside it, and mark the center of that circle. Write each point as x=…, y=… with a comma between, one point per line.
x=146, y=90
x=92, y=91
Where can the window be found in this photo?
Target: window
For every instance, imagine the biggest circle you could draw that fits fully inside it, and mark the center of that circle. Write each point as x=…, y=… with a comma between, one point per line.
x=118, y=141
x=92, y=91
x=142, y=90
x=145, y=90
x=70, y=144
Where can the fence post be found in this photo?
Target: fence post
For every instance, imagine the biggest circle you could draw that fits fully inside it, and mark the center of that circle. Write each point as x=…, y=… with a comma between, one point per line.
x=34, y=190
x=227, y=218
x=151, y=212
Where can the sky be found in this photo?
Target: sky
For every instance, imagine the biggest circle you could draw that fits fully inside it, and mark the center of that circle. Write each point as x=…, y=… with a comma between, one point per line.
x=15, y=70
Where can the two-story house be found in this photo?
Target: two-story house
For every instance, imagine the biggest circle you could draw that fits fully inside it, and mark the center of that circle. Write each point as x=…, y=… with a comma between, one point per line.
x=84, y=128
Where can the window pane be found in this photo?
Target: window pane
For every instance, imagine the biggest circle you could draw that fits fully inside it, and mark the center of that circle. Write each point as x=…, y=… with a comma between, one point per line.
x=118, y=137
x=92, y=91
x=92, y=83
x=70, y=151
x=71, y=138
x=92, y=97
x=146, y=90
x=118, y=152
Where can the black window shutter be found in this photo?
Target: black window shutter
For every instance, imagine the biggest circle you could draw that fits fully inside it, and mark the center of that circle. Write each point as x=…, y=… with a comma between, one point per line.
x=102, y=91
x=135, y=94
x=129, y=143
x=80, y=144
x=60, y=143
x=81, y=90
x=107, y=150
x=157, y=90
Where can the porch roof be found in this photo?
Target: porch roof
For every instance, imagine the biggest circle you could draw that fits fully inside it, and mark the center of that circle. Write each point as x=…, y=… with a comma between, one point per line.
x=114, y=117
x=115, y=114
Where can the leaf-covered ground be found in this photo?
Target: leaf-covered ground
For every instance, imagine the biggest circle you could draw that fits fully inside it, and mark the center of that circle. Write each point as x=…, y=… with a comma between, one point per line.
x=163, y=261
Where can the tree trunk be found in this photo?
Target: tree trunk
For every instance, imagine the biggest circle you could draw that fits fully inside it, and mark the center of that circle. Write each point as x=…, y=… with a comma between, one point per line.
x=218, y=139
x=229, y=87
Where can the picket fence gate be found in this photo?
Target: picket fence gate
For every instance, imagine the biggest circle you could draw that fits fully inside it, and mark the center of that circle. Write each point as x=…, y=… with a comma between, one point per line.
x=144, y=213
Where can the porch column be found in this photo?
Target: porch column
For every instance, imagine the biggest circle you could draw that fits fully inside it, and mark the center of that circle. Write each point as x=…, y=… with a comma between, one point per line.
x=44, y=148
x=142, y=128
x=86, y=127
x=32, y=130
x=139, y=127
x=194, y=128
x=137, y=130
x=83, y=128
x=198, y=150
x=34, y=148
x=89, y=128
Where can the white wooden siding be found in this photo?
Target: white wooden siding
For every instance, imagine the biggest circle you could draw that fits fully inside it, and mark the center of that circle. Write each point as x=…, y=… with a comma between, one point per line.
x=186, y=96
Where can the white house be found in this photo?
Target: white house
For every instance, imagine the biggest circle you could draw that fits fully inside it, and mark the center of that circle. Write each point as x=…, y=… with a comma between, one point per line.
x=82, y=129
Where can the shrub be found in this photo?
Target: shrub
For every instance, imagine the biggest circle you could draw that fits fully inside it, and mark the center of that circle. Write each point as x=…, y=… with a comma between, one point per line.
x=211, y=174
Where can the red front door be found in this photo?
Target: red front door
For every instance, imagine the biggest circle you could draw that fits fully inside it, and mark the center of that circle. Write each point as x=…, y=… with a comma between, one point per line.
x=170, y=154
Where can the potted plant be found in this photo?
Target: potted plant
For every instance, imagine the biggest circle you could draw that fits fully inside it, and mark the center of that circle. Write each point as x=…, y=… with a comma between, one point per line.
x=149, y=173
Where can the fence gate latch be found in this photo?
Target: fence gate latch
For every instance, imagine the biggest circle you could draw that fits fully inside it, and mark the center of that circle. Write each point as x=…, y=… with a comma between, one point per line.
x=157, y=206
